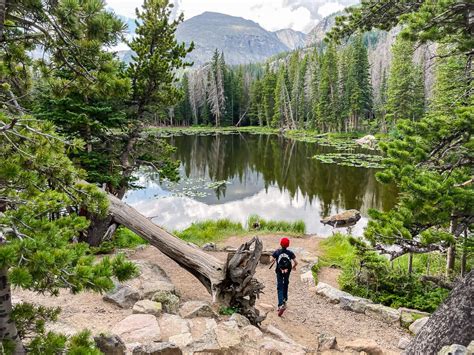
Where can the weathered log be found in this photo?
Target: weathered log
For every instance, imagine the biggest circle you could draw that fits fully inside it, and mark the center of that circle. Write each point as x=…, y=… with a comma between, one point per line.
x=230, y=282
x=451, y=323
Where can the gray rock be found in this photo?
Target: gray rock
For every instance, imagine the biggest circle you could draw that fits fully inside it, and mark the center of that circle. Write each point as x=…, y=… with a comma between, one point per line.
x=168, y=300
x=416, y=326
x=228, y=337
x=204, y=336
x=367, y=345
x=122, y=296
x=343, y=219
x=148, y=307
x=332, y=293
x=470, y=347
x=408, y=316
x=181, y=340
x=308, y=278
x=454, y=349
x=209, y=247
x=354, y=304
x=251, y=333
x=272, y=346
x=150, y=288
x=110, y=345
x=280, y=335
x=141, y=328
x=368, y=141
x=403, y=343
x=383, y=313
x=157, y=349
x=326, y=342
x=193, y=309
x=240, y=320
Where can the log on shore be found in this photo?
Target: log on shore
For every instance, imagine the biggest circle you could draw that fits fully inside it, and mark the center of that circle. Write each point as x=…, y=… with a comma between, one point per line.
x=231, y=282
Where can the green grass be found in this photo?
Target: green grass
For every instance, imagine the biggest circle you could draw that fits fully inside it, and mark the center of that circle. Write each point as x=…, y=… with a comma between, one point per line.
x=123, y=239
x=297, y=227
x=200, y=233
x=337, y=251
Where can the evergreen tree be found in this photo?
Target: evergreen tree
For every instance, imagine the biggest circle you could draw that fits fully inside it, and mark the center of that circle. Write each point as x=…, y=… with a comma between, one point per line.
x=405, y=91
x=216, y=96
x=328, y=105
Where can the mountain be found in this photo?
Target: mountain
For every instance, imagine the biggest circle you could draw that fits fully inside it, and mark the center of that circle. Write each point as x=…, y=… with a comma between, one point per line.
x=317, y=34
x=242, y=41
x=291, y=38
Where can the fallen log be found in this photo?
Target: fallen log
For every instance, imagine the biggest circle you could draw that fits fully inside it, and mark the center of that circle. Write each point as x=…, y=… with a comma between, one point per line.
x=231, y=283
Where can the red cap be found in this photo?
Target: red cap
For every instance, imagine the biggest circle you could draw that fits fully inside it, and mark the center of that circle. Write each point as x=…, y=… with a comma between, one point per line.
x=285, y=242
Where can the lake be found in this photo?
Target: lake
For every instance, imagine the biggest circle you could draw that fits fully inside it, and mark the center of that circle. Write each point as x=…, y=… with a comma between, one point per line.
x=236, y=175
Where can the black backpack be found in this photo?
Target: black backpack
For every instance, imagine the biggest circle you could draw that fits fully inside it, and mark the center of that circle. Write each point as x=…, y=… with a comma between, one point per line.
x=284, y=261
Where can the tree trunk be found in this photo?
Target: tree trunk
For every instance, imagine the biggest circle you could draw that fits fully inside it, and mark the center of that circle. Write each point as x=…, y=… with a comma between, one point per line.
x=229, y=282
x=8, y=329
x=451, y=323
x=410, y=263
x=451, y=257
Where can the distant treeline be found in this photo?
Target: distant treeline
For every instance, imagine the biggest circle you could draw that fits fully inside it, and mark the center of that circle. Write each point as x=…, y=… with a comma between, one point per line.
x=327, y=88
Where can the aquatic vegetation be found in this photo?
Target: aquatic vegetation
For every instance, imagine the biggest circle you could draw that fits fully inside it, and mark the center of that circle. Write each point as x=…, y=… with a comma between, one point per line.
x=255, y=222
x=358, y=160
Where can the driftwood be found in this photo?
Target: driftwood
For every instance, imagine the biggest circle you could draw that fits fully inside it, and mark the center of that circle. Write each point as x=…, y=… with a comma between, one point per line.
x=230, y=283
x=451, y=323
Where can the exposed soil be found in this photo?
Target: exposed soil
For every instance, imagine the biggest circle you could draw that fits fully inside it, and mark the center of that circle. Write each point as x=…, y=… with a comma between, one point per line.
x=308, y=314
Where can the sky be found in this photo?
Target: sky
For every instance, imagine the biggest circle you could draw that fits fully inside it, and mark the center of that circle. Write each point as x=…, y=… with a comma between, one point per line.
x=300, y=15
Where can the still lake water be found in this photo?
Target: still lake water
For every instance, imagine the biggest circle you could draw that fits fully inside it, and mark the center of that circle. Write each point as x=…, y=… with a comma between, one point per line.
x=267, y=175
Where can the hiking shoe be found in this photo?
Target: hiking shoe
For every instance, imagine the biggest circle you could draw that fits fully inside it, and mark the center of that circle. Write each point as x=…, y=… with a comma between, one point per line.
x=281, y=309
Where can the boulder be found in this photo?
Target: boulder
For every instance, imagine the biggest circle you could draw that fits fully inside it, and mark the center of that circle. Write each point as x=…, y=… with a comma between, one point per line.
x=181, y=340
x=142, y=328
x=470, y=347
x=112, y=344
x=172, y=325
x=168, y=300
x=204, y=336
x=416, y=326
x=240, y=320
x=403, y=343
x=151, y=288
x=251, y=333
x=308, y=278
x=157, y=349
x=454, y=349
x=147, y=307
x=332, y=293
x=383, y=313
x=271, y=346
x=228, y=337
x=353, y=303
x=326, y=342
x=343, y=219
x=368, y=141
x=408, y=316
x=369, y=346
x=193, y=309
x=280, y=335
x=201, y=327
x=123, y=296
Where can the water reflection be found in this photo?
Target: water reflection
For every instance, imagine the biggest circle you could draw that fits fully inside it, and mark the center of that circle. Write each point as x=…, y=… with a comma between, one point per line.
x=267, y=175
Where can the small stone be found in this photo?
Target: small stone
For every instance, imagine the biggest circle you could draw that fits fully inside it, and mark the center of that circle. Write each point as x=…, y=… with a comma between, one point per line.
x=157, y=349
x=168, y=300
x=140, y=328
x=240, y=320
x=326, y=342
x=367, y=345
x=454, y=349
x=209, y=247
x=148, y=307
x=112, y=345
x=193, y=309
x=416, y=326
x=308, y=278
x=403, y=343
x=122, y=296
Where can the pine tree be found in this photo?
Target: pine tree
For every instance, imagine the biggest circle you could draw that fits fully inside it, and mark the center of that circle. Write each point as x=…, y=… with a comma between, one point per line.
x=405, y=91
x=328, y=105
x=216, y=95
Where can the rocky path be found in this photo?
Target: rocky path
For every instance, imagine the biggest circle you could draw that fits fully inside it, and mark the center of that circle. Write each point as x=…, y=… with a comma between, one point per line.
x=308, y=314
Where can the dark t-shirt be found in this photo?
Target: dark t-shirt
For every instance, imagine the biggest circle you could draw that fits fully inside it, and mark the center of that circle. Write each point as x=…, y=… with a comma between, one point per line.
x=276, y=254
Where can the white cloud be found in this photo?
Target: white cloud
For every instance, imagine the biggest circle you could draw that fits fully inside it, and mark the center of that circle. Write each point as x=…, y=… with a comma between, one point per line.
x=273, y=15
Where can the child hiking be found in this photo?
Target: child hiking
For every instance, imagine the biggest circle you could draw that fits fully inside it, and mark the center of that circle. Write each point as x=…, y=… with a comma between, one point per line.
x=285, y=261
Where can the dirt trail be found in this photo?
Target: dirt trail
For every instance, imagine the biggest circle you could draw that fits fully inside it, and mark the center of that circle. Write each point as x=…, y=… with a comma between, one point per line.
x=308, y=314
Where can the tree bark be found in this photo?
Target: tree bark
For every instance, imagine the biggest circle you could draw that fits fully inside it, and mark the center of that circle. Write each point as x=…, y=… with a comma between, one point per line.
x=451, y=258
x=231, y=282
x=8, y=329
x=451, y=323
